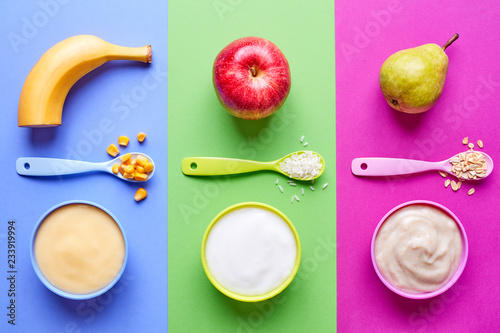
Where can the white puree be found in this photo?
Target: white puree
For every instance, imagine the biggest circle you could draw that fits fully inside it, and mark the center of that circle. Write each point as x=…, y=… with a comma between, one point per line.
x=418, y=248
x=79, y=248
x=251, y=251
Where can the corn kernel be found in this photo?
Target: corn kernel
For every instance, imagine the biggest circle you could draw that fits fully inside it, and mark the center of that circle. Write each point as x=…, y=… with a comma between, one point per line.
x=124, y=158
x=141, y=176
x=123, y=141
x=116, y=168
x=129, y=169
x=141, y=160
x=141, y=136
x=128, y=175
x=113, y=150
x=140, y=194
x=139, y=169
x=148, y=167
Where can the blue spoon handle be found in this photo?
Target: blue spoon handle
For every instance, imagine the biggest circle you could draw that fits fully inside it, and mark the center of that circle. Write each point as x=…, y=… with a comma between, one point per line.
x=39, y=166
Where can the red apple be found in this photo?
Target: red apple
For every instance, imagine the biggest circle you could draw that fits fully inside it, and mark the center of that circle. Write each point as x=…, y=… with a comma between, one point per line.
x=251, y=78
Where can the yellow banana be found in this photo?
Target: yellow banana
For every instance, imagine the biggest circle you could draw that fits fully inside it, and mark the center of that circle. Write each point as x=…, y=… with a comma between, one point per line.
x=49, y=81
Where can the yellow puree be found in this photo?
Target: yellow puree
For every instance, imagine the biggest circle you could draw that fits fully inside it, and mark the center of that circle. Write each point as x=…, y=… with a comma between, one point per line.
x=79, y=248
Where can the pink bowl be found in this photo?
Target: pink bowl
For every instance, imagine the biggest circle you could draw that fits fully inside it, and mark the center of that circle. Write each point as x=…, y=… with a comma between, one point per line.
x=458, y=272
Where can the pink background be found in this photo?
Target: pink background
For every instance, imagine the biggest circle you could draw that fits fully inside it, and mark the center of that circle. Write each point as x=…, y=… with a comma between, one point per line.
x=367, y=32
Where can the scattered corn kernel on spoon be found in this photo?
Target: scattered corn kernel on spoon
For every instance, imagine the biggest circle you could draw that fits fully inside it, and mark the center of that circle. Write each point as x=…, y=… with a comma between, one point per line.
x=469, y=165
x=140, y=165
x=301, y=165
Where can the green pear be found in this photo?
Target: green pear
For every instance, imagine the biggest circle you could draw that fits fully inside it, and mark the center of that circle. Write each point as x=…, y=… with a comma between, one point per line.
x=412, y=80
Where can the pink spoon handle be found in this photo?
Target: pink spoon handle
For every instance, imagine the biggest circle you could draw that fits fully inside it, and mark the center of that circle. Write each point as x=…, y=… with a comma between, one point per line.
x=378, y=166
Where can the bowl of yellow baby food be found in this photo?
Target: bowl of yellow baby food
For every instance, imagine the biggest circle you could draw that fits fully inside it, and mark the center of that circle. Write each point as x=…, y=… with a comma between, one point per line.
x=78, y=249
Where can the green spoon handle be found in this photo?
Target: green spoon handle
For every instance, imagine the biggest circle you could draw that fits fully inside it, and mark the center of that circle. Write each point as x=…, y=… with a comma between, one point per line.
x=213, y=166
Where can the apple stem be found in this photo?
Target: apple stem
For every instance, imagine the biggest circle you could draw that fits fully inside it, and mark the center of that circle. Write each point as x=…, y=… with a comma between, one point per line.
x=448, y=43
x=254, y=72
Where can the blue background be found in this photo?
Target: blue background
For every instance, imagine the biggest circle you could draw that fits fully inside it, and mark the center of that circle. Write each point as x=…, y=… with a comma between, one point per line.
x=119, y=98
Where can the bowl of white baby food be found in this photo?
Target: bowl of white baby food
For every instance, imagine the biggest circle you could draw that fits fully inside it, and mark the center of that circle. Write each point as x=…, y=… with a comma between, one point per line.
x=250, y=252
x=419, y=249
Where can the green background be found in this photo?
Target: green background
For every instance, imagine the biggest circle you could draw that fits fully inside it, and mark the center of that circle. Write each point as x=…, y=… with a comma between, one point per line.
x=199, y=126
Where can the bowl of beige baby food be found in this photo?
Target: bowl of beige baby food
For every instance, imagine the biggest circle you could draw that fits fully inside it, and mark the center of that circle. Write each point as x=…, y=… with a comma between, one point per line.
x=79, y=250
x=419, y=249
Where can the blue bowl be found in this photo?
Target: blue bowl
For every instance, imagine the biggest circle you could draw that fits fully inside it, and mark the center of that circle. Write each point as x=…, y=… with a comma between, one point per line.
x=51, y=286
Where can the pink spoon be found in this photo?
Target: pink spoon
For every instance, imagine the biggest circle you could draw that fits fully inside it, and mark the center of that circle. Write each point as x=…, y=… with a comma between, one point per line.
x=379, y=166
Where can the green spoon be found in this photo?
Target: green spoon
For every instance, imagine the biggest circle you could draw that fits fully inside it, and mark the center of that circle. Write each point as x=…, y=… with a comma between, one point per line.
x=215, y=166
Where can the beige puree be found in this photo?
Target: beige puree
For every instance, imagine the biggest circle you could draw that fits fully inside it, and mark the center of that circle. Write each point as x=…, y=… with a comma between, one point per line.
x=418, y=248
x=79, y=248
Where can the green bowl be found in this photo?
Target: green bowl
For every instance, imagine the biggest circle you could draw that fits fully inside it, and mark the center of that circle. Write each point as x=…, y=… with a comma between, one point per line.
x=275, y=291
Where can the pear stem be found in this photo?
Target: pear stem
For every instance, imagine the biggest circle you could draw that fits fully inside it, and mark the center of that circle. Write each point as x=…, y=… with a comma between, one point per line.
x=448, y=43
